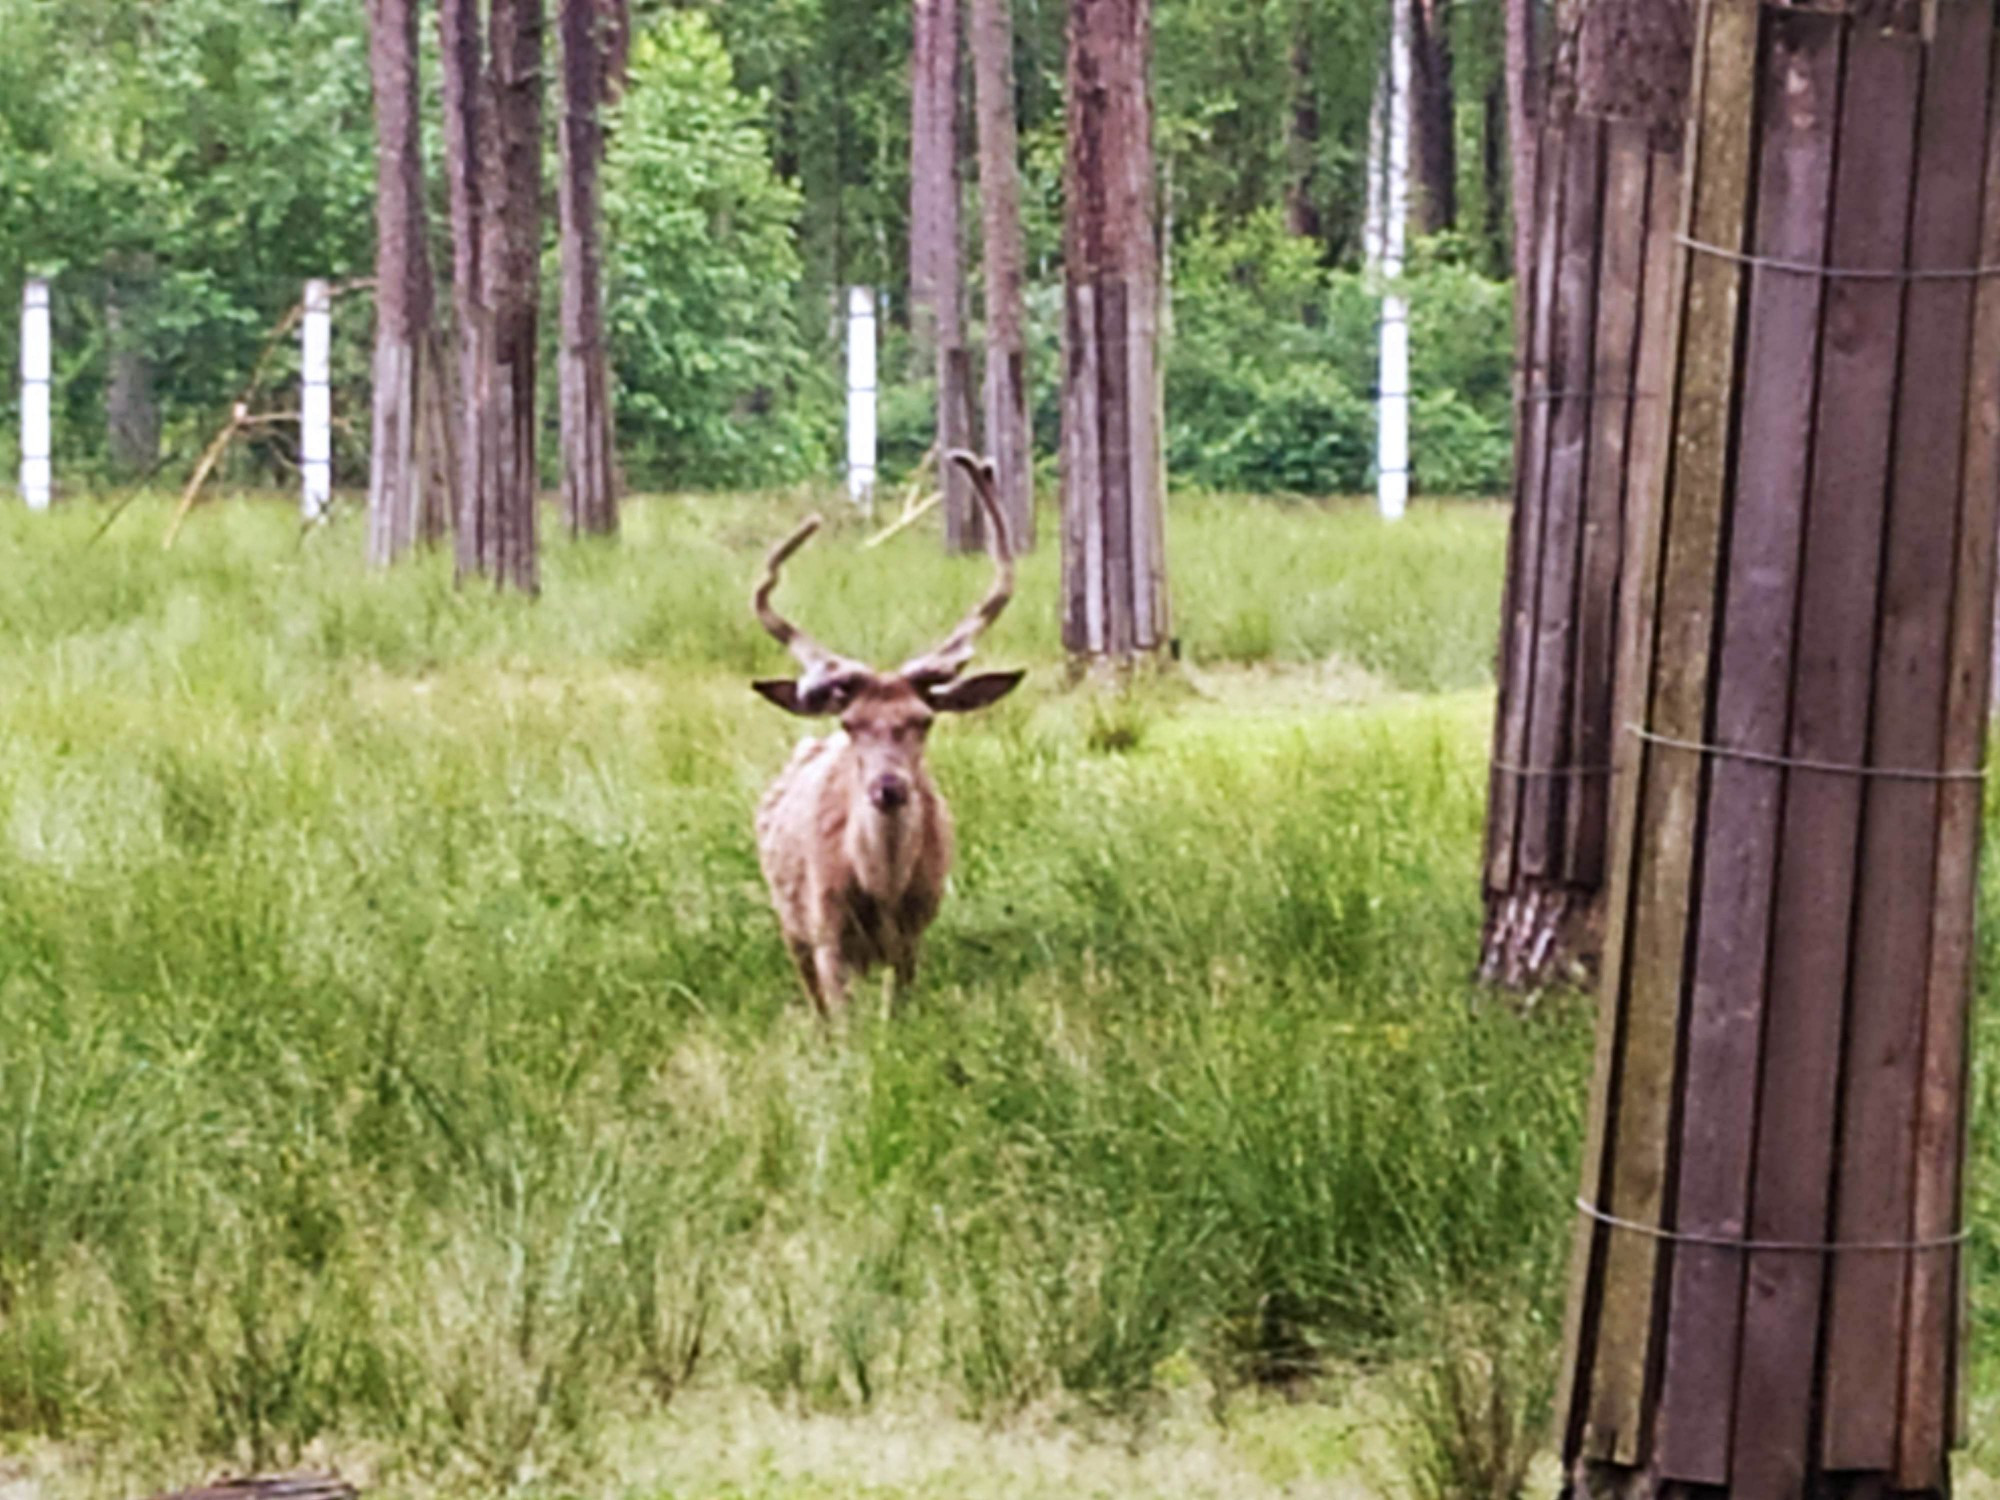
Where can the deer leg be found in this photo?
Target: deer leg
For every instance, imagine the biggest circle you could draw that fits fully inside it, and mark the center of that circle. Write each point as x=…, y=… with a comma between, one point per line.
x=832, y=973
x=802, y=956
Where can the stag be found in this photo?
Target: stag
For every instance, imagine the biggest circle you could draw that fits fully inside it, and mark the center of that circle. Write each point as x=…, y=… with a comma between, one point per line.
x=853, y=836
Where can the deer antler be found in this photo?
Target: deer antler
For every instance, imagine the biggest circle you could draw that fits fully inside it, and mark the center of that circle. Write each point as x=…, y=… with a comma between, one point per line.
x=809, y=653
x=945, y=661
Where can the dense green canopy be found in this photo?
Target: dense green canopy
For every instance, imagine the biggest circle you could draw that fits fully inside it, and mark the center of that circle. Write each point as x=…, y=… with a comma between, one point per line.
x=180, y=167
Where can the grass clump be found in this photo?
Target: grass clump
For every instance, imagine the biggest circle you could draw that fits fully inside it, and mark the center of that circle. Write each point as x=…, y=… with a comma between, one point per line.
x=400, y=1052
x=1476, y=1401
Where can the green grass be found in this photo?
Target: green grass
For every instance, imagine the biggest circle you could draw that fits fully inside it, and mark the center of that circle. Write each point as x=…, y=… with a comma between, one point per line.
x=399, y=1062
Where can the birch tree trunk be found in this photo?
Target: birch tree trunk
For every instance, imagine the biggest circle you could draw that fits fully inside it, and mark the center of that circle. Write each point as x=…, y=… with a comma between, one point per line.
x=1392, y=382
x=1114, y=467
x=409, y=473
x=589, y=487
x=1009, y=435
x=937, y=325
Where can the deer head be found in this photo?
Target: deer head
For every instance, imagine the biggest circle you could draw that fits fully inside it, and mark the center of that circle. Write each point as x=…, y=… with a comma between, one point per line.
x=886, y=715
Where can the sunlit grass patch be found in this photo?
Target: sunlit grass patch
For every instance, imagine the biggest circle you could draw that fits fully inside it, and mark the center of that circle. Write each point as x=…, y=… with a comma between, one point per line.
x=401, y=1058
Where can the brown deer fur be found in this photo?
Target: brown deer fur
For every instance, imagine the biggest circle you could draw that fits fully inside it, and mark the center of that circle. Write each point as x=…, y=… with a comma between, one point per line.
x=854, y=839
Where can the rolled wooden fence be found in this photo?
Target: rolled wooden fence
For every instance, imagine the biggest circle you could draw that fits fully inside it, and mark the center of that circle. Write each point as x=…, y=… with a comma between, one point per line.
x=1589, y=447
x=1765, y=1289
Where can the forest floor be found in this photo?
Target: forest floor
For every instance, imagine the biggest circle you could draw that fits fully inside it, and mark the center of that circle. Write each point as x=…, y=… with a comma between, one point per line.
x=402, y=1071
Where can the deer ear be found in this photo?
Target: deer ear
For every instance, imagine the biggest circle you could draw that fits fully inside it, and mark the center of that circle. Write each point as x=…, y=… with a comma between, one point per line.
x=968, y=693
x=785, y=693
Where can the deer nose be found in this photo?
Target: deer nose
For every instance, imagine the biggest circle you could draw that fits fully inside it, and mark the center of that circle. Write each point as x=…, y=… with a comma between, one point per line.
x=889, y=792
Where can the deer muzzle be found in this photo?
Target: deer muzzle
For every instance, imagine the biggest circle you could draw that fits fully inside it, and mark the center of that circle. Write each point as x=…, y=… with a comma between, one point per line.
x=889, y=792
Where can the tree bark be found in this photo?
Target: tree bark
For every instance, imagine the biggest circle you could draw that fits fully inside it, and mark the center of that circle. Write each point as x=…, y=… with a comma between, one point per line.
x=409, y=477
x=516, y=73
x=1433, y=118
x=1633, y=63
x=937, y=324
x=496, y=126
x=1009, y=434
x=1523, y=114
x=1592, y=317
x=1114, y=467
x=468, y=143
x=589, y=486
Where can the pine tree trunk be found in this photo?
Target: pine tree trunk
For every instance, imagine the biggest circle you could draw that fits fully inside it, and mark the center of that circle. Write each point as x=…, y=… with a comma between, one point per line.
x=1009, y=434
x=1593, y=316
x=589, y=493
x=468, y=142
x=497, y=534
x=937, y=325
x=405, y=466
x=1114, y=468
x=1523, y=114
x=1433, y=118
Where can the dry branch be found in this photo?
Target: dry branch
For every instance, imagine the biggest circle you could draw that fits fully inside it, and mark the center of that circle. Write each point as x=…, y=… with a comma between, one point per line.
x=239, y=416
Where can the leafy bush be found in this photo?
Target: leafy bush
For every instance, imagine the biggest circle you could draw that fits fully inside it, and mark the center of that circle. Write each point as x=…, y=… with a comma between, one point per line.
x=192, y=163
x=715, y=387
x=1461, y=371
x=1271, y=374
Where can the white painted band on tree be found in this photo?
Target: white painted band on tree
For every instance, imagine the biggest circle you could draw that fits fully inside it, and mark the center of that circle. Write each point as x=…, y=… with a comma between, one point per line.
x=37, y=471
x=861, y=396
x=316, y=402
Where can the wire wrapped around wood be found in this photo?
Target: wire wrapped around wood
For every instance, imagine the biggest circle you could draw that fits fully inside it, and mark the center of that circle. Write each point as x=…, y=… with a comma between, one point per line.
x=1837, y=273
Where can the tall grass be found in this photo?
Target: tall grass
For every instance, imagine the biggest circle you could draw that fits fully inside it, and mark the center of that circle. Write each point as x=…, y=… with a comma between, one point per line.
x=396, y=1047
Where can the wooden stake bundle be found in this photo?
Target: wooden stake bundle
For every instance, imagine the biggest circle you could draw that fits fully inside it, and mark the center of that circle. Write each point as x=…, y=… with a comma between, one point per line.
x=1765, y=1284
x=1587, y=449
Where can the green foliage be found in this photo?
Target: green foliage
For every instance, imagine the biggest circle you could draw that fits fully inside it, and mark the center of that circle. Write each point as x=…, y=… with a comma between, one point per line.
x=715, y=385
x=1461, y=368
x=833, y=79
x=1228, y=95
x=1272, y=368
x=192, y=161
